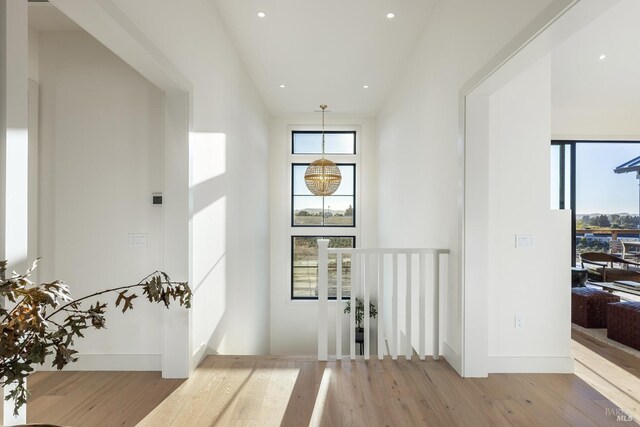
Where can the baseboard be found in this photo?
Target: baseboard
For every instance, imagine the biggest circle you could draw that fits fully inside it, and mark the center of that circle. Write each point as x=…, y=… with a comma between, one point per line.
x=453, y=357
x=198, y=355
x=111, y=362
x=546, y=365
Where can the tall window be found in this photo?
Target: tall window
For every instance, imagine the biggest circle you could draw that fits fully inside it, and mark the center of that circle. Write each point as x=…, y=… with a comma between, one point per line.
x=313, y=217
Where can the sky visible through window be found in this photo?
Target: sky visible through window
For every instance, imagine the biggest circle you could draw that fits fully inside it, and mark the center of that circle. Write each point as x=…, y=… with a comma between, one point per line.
x=335, y=143
x=598, y=188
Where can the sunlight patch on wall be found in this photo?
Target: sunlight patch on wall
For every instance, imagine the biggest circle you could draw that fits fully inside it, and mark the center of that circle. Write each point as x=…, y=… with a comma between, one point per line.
x=17, y=169
x=207, y=153
x=209, y=238
x=209, y=273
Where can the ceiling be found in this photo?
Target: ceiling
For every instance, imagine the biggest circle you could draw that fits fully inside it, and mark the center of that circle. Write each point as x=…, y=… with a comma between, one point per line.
x=581, y=80
x=324, y=52
x=45, y=17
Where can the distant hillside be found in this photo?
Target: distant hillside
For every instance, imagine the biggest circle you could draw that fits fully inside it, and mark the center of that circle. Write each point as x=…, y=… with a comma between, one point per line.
x=315, y=211
x=591, y=215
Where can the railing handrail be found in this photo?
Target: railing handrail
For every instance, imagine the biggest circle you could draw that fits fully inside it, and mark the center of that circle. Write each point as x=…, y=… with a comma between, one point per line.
x=608, y=230
x=360, y=258
x=388, y=251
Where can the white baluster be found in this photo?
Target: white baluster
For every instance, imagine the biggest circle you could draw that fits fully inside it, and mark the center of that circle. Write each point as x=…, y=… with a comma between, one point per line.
x=367, y=321
x=380, y=306
x=355, y=277
x=421, y=303
x=323, y=309
x=408, y=349
x=436, y=305
x=338, y=306
x=394, y=310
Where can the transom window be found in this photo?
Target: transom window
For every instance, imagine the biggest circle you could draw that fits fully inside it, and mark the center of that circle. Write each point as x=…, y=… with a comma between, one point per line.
x=335, y=142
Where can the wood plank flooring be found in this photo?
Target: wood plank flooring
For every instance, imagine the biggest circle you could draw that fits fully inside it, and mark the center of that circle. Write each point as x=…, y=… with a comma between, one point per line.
x=611, y=371
x=269, y=391
x=289, y=391
x=95, y=398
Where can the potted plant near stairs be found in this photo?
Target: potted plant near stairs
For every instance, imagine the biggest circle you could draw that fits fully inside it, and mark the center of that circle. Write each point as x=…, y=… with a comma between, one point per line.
x=359, y=314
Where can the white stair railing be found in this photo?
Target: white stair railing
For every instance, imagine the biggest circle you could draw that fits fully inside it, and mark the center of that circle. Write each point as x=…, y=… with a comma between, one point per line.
x=367, y=275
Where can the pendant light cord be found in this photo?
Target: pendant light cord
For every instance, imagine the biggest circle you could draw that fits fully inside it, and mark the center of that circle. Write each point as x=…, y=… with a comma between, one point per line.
x=322, y=107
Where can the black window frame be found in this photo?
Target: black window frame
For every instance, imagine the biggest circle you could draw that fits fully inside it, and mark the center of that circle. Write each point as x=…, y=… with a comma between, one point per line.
x=293, y=298
x=327, y=132
x=354, y=207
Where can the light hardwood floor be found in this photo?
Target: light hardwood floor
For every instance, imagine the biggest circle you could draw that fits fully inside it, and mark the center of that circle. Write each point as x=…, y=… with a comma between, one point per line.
x=611, y=371
x=83, y=399
x=272, y=391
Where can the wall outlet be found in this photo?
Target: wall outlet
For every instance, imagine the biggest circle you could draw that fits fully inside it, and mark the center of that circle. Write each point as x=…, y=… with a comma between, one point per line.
x=519, y=321
x=524, y=241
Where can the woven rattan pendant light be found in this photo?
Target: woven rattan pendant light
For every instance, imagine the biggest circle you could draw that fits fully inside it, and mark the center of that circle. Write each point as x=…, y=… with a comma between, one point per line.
x=322, y=177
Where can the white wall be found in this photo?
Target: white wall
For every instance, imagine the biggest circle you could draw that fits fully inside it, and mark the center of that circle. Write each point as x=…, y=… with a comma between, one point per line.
x=34, y=108
x=418, y=133
x=4, y=102
x=186, y=44
x=101, y=144
x=530, y=282
x=294, y=324
x=34, y=48
x=230, y=225
x=14, y=144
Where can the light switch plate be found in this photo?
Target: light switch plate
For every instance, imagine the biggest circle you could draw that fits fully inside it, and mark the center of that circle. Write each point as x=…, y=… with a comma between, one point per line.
x=524, y=241
x=138, y=240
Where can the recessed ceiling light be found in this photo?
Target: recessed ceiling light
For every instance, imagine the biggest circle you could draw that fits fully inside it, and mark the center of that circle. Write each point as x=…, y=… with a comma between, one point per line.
x=391, y=15
x=282, y=86
x=365, y=87
x=602, y=57
x=261, y=14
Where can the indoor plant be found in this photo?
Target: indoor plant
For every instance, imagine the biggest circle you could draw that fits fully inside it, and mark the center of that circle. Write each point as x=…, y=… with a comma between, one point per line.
x=373, y=312
x=43, y=320
x=359, y=314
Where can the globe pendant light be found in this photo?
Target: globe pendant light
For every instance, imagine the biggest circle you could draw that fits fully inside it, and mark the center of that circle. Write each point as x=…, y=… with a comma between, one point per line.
x=322, y=177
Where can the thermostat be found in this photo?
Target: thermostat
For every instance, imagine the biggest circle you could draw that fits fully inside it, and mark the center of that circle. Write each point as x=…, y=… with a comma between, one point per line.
x=156, y=198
